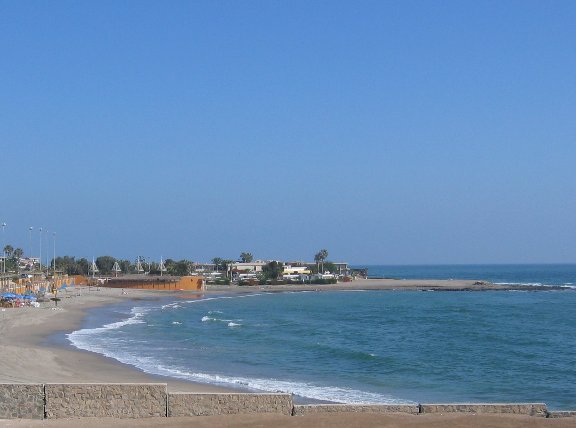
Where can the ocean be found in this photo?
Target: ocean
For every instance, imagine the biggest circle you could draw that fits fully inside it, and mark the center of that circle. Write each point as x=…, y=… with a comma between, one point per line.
x=362, y=346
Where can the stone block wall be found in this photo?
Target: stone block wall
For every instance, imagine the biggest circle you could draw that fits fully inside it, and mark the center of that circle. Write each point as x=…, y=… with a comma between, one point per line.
x=531, y=409
x=304, y=409
x=190, y=404
x=105, y=400
x=55, y=401
x=21, y=401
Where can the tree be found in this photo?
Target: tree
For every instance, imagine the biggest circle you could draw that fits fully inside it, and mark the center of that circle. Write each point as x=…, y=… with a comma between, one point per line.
x=126, y=266
x=272, y=270
x=18, y=253
x=8, y=261
x=217, y=261
x=83, y=266
x=105, y=264
x=246, y=257
x=319, y=259
x=8, y=250
x=178, y=268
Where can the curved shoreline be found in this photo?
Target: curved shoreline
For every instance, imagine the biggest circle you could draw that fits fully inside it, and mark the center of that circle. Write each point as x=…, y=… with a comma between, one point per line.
x=29, y=357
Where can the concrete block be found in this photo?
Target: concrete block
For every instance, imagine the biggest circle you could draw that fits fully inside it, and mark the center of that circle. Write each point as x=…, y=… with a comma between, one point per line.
x=191, y=404
x=105, y=400
x=304, y=409
x=562, y=414
x=21, y=401
x=532, y=409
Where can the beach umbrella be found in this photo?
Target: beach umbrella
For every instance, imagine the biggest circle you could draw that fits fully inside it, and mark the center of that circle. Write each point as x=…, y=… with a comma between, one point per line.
x=29, y=297
x=9, y=296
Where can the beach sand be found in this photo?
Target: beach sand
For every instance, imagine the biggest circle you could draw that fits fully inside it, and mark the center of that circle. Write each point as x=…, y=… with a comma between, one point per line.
x=27, y=356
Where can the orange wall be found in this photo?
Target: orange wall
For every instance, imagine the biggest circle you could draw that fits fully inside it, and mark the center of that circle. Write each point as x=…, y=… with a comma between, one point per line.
x=184, y=283
x=190, y=283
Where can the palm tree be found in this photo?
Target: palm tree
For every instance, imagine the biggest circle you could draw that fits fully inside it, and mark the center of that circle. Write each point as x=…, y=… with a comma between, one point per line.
x=246, y=257
x=320, y=257
x=17, y=253
x=8, y=250
x=217, y=261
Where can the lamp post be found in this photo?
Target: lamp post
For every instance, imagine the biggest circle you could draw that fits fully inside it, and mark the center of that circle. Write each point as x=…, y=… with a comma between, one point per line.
x=3, y=249
x=47, y=250
x=54, y=240
x=30, y=229
x=40, y=256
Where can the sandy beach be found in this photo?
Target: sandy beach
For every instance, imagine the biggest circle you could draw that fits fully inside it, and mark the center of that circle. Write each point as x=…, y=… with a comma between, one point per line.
x=29, y=357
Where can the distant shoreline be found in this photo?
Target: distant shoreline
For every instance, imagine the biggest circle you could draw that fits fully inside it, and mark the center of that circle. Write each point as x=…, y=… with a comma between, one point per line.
x=29, y=358
x=387, y=284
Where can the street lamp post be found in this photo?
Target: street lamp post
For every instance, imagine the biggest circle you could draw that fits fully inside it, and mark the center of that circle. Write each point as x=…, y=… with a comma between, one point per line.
x=30, y=229
x=40, y=256
x=47, y=251
x=3, y=249
x=54, y=239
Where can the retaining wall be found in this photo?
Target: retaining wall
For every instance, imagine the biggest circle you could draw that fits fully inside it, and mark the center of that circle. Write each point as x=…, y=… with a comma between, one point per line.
x=304, y=409
x=531, y=409
x=105, y=400
x=53, y=401
x=184, y=404
x=24, y=401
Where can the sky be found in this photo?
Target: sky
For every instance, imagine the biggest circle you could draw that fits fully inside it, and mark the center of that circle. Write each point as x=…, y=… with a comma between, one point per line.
x=387, y=132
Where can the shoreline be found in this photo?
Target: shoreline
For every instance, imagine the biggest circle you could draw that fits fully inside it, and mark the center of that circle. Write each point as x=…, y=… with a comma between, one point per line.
x=29, y=356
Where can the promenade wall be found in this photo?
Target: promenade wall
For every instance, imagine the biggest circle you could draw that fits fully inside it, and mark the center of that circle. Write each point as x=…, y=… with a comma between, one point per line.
x=58, y=401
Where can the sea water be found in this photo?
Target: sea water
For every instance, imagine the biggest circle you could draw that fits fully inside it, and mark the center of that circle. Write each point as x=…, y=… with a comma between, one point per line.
x=355, y=346
x=526, y=274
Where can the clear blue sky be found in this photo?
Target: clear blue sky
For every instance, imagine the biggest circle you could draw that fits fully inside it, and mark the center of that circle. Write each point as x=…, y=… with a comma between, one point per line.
x=384, y=131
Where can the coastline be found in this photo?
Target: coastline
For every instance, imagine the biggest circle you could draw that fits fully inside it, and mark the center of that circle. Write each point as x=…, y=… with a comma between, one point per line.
x=28, y=357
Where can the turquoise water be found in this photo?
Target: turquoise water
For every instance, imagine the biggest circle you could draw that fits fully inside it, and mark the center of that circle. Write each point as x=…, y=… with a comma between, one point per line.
x=356, y=347
x=534, y=274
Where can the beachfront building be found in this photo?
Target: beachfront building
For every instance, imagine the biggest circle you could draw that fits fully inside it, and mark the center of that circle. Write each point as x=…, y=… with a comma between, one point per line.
x=341, y=268
x=6, y=282
x=241, y=270
x=296, y=273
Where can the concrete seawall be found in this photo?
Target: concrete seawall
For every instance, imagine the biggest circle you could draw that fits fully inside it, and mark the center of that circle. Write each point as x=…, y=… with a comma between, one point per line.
x=189, y=404
x=58, y=401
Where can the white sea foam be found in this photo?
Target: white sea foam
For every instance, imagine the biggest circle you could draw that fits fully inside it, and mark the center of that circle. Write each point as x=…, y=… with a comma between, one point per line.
x=176, y=322
x=532, y=284
x=233, y=324
x=174, y=305
x=303, y=389
x=85, y=338
x=206, y=318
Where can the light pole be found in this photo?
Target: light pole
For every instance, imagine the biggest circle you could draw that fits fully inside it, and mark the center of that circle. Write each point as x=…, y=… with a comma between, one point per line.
x=54, y=239
x=30, y=229
x=47, y=251
x=40, y=256
x=3, y=249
